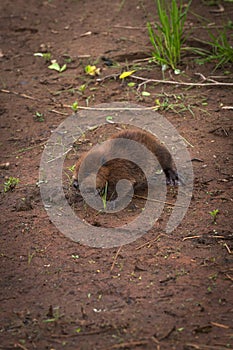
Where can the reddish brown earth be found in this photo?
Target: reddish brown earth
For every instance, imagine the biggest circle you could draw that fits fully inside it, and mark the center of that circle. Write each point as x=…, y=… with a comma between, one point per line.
x=163, y=291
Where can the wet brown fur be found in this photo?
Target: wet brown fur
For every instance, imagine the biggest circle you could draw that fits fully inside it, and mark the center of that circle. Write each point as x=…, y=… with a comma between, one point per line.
x=113, y=170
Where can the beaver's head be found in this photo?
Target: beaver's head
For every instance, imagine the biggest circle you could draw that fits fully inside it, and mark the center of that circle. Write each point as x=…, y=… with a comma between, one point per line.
x=90, y=173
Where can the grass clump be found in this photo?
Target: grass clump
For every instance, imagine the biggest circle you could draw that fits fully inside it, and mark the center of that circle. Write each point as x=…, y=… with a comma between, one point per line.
x=10, y=184
x=221, y=53
x=167, y=36
x=104, y=196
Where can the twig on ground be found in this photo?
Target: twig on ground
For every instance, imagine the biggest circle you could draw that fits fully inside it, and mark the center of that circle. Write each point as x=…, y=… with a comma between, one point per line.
x=227, y=248
x=158, y=201
x=129, y=344
x=57, y=112
x=19, y=94
x=203, y=346
x=129, y=27
x=60, y=156
x=211, y=82
x=190, y=237
x=97, y=331
x=23, y=150
x=219, y=10
x=115, y=258
x=208, y=81
x=187, y=142
x=227, y=107
x=221, y=129
x=110, y=76
x=150, y=242
x=220, y=325
x=197, y=160
x=168, y=333
x=229, y=277
x=18, y=345
x=112, y=108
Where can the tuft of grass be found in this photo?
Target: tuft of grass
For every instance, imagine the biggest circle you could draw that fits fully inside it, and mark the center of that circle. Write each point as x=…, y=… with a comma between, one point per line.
x=71, y=169
x=179, y=103
x=10, y=184
x=39, y=117
x=214, y=214
x=104, y=196
x=221, y=53
x=167, y=36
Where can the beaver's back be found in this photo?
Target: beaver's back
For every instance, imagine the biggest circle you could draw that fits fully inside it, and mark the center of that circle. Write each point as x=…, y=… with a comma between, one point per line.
x=150, y=142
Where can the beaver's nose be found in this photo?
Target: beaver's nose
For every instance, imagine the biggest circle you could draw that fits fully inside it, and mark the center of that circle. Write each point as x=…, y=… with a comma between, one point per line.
x=75, y=184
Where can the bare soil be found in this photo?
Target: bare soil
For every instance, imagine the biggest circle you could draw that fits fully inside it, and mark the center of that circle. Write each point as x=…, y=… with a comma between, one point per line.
x=163, y=291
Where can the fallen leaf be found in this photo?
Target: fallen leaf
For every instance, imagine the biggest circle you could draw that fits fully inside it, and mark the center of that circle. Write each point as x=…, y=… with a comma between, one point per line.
x=126, y=74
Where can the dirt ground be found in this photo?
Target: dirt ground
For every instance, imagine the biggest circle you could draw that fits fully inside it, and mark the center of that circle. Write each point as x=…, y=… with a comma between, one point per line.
x=163, y=291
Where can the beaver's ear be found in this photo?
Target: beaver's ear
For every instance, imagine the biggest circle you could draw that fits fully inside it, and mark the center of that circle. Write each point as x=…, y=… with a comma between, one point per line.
x=103, y=161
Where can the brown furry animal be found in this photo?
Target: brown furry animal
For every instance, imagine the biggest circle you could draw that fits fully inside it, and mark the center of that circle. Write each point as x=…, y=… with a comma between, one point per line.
x=115, y=160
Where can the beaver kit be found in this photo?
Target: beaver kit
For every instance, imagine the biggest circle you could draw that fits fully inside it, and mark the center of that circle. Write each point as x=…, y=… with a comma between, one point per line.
x=130, y=155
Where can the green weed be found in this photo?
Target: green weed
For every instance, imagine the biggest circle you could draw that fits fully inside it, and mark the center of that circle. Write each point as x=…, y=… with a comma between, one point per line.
x=214, y=214
x=104, y=196
x=179, y=103
x=82, y=88
x=55, y=66
x=221, y=53
x=167, y=36
x=10, y=184
x=39, y=117
x=74, y=106
x=69, y=176
x=71, y=168
x=30, y=257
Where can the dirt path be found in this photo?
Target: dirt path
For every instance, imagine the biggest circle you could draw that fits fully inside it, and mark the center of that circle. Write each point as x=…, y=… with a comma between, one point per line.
x=162, y=291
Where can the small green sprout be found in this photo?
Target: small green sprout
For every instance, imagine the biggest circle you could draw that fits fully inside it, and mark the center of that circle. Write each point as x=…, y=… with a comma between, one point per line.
x=10, y=184
x=39, y=117
x=30, y=257
x=55, y=66
x=71, y=168
x=45, y=55
x=214, y=214
x=68, y=59
x=75, y=256
x=74, y=106
x=109, y=119
x=82, y=88
x=104, y=196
